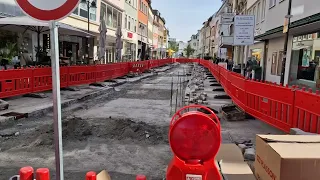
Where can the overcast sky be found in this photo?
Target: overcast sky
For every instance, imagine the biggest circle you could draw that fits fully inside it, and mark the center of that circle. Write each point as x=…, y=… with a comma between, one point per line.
x=185, y=17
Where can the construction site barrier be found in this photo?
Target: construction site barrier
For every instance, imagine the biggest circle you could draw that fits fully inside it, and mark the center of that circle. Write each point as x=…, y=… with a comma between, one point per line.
x=283, y=107
x=27, y=173
x=17, y=82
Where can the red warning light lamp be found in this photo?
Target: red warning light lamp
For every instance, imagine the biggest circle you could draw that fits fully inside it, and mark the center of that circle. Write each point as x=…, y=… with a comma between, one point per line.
x=195, y=139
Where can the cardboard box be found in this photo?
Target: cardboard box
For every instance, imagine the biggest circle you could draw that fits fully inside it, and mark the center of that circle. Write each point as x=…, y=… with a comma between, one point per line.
x=103, y=175
x=232, y=165
x=287, y=157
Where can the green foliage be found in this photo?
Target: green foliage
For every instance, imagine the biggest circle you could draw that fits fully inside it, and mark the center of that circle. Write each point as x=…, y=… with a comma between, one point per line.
x=188, y=50
x=9, y=51
x=173, y=46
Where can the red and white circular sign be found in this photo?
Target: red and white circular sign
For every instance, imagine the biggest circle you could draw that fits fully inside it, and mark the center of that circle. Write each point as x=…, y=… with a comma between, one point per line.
x=47, y=10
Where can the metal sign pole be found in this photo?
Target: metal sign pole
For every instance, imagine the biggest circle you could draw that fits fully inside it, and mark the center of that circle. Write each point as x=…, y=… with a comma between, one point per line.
x=56, y=99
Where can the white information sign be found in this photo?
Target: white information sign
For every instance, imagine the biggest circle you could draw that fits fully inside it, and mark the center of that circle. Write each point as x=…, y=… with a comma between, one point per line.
x=193, y=177
x=244, y=30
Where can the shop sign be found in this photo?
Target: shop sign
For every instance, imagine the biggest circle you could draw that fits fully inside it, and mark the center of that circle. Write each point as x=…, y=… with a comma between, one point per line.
x=244, y=30
x=130, y=35
x=302, y=45
x=143, y=39
x=227, y=18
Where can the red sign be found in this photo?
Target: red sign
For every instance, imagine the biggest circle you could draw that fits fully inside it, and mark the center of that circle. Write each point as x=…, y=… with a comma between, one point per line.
x=47, y=10
x=130, y=35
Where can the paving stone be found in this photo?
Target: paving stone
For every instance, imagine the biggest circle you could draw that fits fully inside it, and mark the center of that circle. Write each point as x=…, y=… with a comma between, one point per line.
x=3, y=105
x=249, y=154
x=242, y=147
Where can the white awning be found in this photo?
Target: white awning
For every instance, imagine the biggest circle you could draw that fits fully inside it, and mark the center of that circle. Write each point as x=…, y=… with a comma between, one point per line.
x=25, y=23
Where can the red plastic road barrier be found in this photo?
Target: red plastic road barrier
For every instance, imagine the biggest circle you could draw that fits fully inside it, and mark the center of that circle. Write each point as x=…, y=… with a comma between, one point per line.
x=26, y=173
x=282, y=107
x=195, y=139
x=141, y=177
x=16, y=82
x=91, y=175
x=42, y=174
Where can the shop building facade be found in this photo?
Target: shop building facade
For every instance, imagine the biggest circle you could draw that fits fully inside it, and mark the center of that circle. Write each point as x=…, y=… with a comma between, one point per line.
x=112, y=13
x=71, y=48
x=143, y=28
x=130, y=36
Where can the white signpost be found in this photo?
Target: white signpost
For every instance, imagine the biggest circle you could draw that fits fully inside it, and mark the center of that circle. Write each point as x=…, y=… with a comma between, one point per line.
x=52, y=11
x=243, y=30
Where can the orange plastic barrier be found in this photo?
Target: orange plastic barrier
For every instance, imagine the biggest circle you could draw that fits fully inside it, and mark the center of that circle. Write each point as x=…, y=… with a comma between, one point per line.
x=195, y=139
x=282, y=107
x=30, y=80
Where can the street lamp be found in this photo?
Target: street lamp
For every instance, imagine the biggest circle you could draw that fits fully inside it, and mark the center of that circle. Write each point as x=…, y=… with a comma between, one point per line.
x=90, y=4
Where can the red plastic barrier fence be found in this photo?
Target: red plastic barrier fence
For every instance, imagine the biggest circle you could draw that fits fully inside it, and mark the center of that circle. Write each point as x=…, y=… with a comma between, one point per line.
x=23, y=81
x=281, y=107
x=195, y=139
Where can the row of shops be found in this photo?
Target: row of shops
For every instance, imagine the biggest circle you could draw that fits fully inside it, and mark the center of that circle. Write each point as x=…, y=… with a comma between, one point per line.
x=303, y=56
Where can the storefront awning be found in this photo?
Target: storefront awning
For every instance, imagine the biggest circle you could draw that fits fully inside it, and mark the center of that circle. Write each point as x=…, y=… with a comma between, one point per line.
x=25, y=23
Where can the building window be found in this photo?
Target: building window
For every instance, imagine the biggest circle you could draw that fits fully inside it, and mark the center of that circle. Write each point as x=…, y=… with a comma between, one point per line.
x=103, y=12
x=141, y=5
x=263, y=12
x=129, y=23
x=132, y=25
x=83, y=11
x=272, y=3
x=258, y=13
x=112, y=15
x=274, y=63
x=125, y=22
x=279, y=63
x=109, y=16
x=135, y=25
x=115, y=18
x=255, y=13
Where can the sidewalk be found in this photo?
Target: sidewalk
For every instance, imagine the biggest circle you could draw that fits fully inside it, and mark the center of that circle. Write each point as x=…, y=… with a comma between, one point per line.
x=38, y=106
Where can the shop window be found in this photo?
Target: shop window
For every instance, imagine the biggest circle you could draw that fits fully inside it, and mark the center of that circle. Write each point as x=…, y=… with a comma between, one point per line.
x=279, y=63
x=274, y=63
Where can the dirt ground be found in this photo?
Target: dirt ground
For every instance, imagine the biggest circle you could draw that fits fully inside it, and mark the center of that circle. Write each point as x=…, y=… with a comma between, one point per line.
x=124, y=132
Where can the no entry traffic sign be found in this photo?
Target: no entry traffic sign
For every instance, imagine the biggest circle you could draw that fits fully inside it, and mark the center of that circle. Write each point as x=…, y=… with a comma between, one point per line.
x=47, y=10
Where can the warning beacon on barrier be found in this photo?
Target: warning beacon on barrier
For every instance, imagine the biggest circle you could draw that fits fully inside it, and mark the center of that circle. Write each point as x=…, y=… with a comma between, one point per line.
x=195, y=139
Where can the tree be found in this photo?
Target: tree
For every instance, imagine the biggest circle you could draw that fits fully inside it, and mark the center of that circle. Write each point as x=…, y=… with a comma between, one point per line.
x=173, y=46
x=189, y=50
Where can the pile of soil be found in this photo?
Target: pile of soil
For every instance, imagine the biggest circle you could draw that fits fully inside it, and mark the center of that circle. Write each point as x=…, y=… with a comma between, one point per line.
x=77, y=129
x=121, y=129
x=72, y=129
